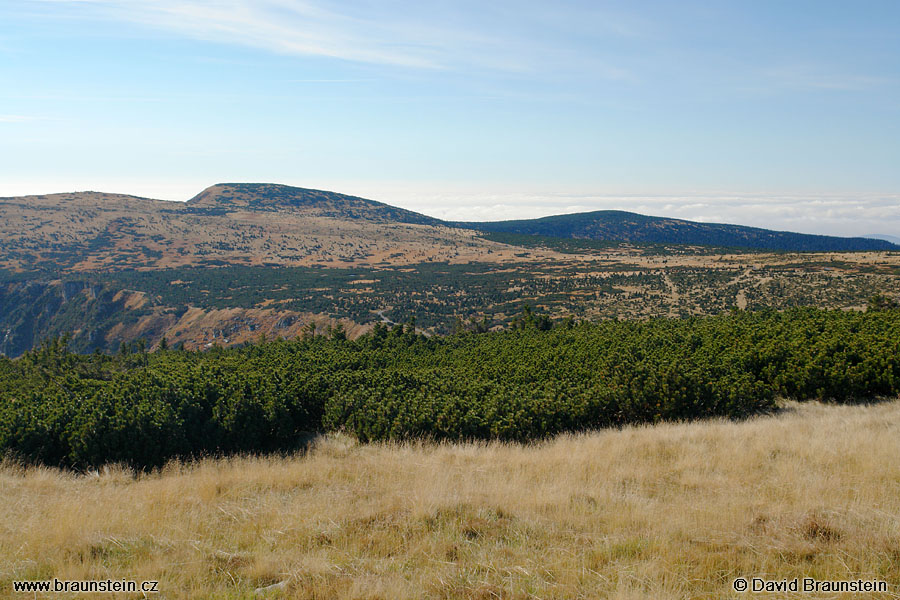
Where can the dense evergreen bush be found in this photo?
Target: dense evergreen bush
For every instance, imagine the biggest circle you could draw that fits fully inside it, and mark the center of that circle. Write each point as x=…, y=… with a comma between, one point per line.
x=520, y=384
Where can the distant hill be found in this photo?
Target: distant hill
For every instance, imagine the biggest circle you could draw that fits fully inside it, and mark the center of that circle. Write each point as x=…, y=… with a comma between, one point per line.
x=881, y=236
x=617, y=225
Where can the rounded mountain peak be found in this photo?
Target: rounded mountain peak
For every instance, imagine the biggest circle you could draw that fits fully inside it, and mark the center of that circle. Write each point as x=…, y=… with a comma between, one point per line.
x=261, y=195
x=274, y=197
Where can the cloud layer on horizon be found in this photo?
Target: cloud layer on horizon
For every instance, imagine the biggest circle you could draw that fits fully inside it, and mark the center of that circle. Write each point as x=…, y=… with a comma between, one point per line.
x=842, y=215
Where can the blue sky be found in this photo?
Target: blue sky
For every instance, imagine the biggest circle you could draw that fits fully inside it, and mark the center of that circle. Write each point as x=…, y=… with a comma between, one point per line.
x=777, y=114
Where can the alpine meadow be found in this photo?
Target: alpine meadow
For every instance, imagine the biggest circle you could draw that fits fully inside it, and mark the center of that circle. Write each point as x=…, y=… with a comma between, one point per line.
x=524, y=300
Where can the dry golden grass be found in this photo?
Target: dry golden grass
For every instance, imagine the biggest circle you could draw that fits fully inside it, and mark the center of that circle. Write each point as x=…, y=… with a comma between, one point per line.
x=670, y=511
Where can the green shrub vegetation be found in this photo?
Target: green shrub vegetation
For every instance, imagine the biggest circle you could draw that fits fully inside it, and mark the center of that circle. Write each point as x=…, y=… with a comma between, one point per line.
x=521, y=384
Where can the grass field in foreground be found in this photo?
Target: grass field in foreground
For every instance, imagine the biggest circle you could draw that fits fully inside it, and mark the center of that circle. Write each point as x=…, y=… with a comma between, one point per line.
x=664, y=511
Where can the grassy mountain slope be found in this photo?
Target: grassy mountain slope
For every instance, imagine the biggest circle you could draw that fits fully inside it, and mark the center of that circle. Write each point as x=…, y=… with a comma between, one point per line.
x=247, y=224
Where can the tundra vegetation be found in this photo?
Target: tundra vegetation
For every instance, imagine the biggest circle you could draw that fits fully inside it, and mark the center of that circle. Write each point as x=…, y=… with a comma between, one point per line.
x=232, y=304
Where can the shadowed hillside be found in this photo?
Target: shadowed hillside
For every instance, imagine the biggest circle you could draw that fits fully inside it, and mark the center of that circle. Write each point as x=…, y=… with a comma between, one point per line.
x=617, y=225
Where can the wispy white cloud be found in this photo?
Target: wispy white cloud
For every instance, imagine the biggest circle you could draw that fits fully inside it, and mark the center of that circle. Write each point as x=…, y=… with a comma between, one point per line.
x=282, y=26
x=428, y=35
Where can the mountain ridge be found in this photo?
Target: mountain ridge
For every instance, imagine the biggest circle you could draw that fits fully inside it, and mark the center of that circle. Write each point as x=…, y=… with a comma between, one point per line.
x=602, y=225
x=625, y=226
